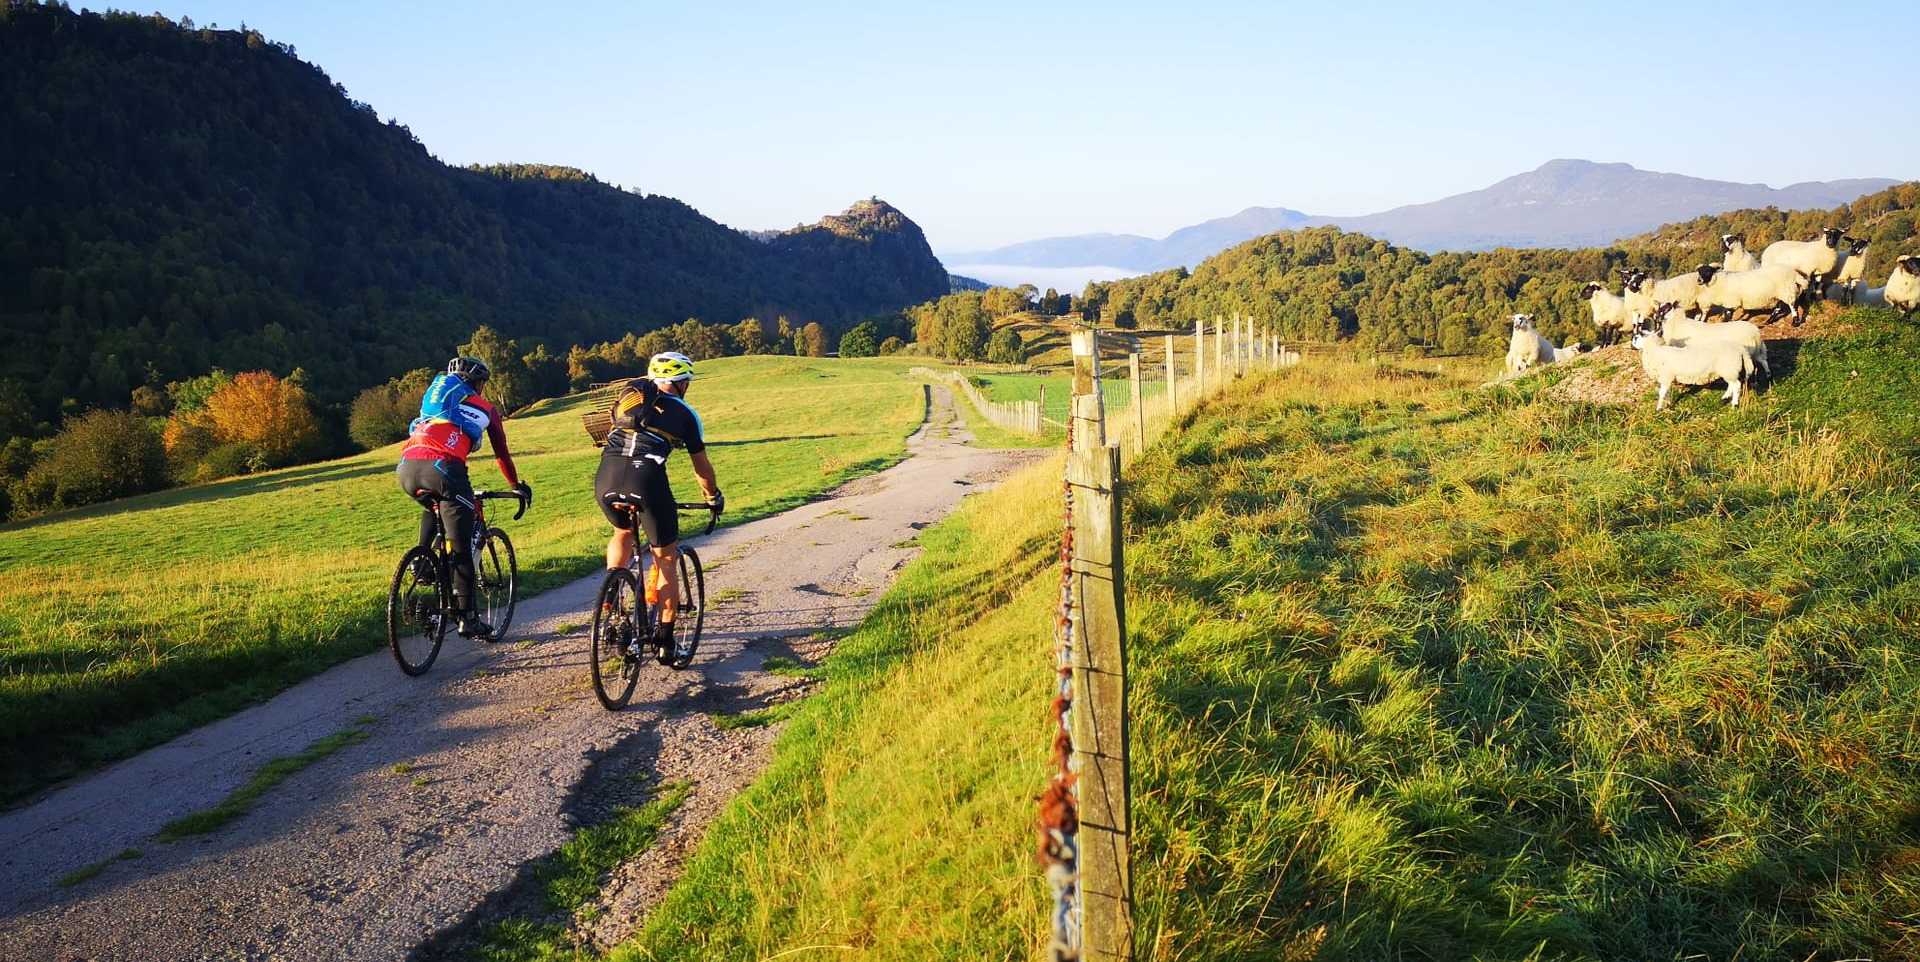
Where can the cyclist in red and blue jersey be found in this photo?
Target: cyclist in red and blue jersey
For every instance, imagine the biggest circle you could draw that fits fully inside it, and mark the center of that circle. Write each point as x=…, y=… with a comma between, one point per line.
x=650, y=417
x=455, y=422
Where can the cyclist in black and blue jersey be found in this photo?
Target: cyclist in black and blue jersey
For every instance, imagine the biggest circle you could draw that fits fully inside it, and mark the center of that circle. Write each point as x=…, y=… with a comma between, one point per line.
x=650, y=417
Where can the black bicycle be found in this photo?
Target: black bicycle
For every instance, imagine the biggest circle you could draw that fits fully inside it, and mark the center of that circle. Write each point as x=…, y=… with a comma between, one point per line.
x=420, y=604
x=623, y=617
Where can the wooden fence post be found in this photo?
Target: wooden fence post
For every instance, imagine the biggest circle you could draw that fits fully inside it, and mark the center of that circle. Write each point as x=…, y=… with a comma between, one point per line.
x=1099, y=673
x=1173, y=395
x=1199, y=360
x=1139, y=399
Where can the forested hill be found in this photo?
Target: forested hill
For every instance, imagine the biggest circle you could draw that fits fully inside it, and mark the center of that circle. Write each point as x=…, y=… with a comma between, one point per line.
x=1323, y=284
x=174, y=199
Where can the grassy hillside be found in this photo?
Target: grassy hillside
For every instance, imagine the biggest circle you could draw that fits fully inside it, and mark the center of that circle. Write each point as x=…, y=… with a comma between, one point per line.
x=1420, y=671
x=127, y=623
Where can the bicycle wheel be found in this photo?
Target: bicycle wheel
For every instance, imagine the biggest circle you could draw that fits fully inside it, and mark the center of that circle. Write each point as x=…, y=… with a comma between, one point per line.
x=617, y=621
x=417, y=610
x=493, y=578
x=692, y=613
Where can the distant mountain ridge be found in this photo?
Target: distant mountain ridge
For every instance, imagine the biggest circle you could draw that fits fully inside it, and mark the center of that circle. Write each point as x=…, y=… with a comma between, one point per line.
x=1563, y=203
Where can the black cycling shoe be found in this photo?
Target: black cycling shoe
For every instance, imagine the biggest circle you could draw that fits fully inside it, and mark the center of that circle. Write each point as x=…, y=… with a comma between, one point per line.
x=472, y=627
x=663, y=642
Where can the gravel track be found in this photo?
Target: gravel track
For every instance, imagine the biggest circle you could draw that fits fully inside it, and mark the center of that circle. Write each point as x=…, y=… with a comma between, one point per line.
x=405, y=843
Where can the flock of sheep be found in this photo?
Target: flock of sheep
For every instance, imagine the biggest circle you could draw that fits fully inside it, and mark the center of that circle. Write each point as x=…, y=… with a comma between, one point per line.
x=1672, y=320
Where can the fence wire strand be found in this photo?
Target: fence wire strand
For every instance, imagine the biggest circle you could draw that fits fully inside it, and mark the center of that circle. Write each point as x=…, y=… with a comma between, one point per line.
x=1060, y=803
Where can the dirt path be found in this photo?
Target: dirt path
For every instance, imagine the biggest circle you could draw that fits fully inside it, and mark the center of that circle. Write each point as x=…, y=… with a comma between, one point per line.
x=403, y=843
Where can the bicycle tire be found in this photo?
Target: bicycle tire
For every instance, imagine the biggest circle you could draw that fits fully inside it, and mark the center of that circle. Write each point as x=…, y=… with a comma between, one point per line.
x=618, y=620
x=693, y=609
x=417, y=605
x=495, y=576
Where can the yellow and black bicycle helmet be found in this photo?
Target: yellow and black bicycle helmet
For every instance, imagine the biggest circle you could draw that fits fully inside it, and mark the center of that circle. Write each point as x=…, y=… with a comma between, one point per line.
x=670, y=366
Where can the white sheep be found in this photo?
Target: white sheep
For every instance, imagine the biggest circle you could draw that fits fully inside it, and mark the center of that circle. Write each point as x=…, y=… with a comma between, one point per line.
x=1850, y=270
x=1679, y=330
x=1695, y=364
x=1527, y=348
x=1903, y=285
x=1815, y=258
x=1643, y=294
x=1738, y=258
x=1610, y=312
x=1767, y=290
x=1568, y=353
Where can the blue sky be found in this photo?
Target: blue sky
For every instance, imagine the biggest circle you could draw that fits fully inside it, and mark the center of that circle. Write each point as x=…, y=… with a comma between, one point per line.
x=992, y=123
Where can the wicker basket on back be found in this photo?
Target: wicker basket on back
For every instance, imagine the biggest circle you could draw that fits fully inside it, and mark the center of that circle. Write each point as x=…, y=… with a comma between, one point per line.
x=598, y=417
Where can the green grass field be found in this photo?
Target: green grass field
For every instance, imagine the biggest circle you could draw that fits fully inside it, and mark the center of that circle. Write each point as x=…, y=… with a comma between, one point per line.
x=127, y=623
x=1420, y=672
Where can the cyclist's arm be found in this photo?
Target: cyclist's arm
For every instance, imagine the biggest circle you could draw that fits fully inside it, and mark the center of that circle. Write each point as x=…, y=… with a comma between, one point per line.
x=497, y=434
x=703, y=470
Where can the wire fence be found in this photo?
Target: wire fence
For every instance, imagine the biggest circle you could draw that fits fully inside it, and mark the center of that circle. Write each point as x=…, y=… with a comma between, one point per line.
x=1084, y=821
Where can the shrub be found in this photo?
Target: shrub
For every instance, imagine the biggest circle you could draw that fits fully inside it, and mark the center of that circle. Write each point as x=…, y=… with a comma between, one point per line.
x=382, y=413
x=98, y=456
x=862, y=341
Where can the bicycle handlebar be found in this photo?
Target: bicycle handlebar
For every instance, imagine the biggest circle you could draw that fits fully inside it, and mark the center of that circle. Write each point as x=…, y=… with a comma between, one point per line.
x=497, y=495
x=712, y=519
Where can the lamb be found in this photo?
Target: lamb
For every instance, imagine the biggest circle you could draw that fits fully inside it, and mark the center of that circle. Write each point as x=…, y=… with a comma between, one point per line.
x=1903, y=285
x=1849, y=272
x=1694, y=364
x=1764, y=289
x=1527, y=348
x=1610, y=312
x=1738, y=257
x=1815, y=258
x=1568, y=353
x=1680, y=330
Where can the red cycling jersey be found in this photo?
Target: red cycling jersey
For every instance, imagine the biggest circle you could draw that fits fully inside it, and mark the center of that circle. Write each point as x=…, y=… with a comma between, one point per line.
x=434, y=438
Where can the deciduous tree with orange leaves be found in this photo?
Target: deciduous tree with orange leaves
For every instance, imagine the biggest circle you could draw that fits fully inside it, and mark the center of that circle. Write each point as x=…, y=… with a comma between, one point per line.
x=267, y=413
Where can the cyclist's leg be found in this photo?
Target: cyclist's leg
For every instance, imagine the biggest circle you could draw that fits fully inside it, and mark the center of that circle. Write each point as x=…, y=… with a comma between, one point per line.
x=662, y=523
x=456, y=513
x=615, y=483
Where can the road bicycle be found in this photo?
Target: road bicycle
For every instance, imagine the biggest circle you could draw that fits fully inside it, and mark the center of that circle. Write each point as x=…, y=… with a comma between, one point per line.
x=420, y=605
x=623, y=617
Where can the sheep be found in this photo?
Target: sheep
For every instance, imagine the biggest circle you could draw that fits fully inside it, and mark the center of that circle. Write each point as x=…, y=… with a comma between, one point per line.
x=1680, y=330
x=1738, y=257
x=1849, y=271
x=1695, y=364
x=1644, y=294
x=1568, y=353
x=1527, y=348
x=1903, y=285
x=1610, y=312
x=1815, y=258
x=1768, y=289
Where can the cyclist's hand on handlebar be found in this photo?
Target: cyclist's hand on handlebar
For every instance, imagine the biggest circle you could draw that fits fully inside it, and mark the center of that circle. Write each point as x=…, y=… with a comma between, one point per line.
x=524, y=491
x=718, y=502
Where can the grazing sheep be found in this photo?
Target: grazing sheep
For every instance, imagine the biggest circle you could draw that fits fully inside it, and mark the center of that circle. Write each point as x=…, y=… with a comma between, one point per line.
x=1738, y=257
x=1527, y=348
x=1610, y=312
x=1903, y=285
x=1849, y=272
x=1644, y=294
x=1695, y=364
x=1815, y=258
x=1568, y=353
x=1679, y=330
x=1768, y=290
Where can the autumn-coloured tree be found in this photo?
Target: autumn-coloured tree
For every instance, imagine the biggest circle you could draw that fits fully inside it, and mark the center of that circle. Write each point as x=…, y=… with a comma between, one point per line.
x=267, y=414
x=811, y=341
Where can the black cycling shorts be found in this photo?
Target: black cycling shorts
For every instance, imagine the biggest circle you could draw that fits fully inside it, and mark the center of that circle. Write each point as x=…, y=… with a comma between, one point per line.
x=638, y=480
